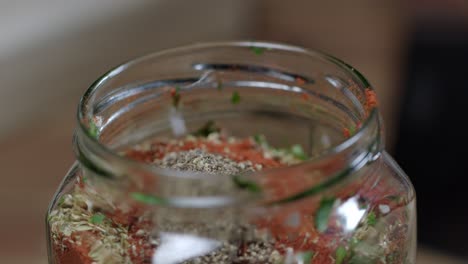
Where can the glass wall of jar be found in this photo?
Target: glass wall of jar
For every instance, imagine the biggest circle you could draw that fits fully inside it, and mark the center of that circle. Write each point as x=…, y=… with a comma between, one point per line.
x=240, y=152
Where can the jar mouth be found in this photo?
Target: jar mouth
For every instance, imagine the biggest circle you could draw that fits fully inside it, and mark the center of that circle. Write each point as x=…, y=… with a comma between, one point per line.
x=366, y=127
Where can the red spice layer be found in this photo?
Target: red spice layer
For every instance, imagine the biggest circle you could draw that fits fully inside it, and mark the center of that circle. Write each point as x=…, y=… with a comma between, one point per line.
x=71, y=253
x=248, y=150
x=239, y=150
x=299, y=237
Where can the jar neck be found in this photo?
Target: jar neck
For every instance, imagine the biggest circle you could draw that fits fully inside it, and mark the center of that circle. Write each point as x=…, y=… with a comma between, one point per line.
x=332, y=108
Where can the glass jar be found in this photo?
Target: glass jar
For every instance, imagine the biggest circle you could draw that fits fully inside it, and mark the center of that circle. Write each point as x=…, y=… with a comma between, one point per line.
x=240, y=152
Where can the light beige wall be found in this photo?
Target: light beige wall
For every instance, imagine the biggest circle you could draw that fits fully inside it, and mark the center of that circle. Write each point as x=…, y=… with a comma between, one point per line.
x=51, y=51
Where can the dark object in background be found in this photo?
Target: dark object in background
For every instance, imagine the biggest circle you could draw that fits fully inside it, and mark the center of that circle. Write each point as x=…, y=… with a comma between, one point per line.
x=432, y=144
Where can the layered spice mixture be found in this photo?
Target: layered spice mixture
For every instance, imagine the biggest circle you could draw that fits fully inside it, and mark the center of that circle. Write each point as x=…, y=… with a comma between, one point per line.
x=89, y=228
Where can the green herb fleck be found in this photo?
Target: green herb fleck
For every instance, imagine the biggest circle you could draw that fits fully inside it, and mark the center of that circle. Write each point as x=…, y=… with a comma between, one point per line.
x=340, y=255
x=246, y=184
x=93, y=130
x=260, y=139
x=257, y=50
x=297, y=151
x=307, y=256
x=61, y=201
x=235, y=98
x=147, y=199
x=84, y=179
x=323, y=213
x=362, y=203
x=208, y=128
x=371, y=219
x=97, y=218
x=352, y=130
x=219, y=86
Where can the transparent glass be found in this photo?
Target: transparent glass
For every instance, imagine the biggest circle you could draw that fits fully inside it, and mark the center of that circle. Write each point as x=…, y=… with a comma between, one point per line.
x=310, y=181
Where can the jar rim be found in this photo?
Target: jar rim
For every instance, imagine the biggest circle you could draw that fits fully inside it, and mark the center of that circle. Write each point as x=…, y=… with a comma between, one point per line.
x=83, y=125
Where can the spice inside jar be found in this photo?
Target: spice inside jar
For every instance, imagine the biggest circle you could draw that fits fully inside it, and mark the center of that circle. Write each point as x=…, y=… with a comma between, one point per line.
x=87, y=228
x=238, y=152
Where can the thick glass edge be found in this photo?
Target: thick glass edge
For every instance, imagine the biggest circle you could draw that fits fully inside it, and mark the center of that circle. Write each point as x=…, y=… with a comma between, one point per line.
x=61, y=190
x=357, y=76
x=391, y=163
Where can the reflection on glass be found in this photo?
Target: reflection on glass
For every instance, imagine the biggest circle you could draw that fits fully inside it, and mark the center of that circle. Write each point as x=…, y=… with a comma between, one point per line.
x=177, y=248
x=350, y=214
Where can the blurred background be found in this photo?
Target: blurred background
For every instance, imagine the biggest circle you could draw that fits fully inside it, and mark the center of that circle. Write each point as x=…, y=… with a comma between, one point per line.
x=414, y=52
